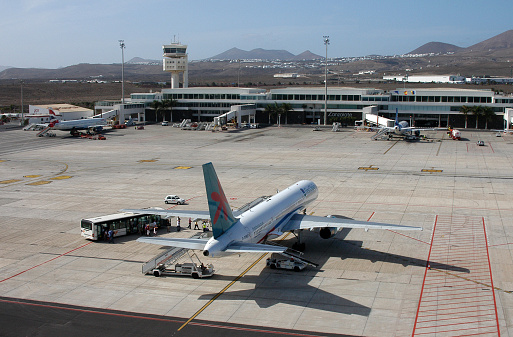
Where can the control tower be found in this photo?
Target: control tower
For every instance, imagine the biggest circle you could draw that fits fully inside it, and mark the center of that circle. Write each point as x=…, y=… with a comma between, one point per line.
x=175, y=61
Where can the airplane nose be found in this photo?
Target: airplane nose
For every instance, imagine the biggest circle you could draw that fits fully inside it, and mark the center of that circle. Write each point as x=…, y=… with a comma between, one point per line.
x=205, y=253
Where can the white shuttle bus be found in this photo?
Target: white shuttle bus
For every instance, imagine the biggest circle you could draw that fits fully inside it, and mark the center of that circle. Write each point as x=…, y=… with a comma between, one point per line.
x=120, y=223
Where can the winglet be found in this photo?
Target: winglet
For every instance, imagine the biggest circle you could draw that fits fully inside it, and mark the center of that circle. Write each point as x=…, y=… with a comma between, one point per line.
x=221, y=214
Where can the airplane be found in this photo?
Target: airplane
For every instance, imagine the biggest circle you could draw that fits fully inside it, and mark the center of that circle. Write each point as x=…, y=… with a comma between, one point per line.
x=248, y=231
x=403, y=129
x=76, y=124
x=95, y=124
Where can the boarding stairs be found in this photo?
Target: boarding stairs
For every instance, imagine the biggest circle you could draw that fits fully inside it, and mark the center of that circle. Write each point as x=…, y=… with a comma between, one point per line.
x=182, y=124
x=169, y=256
x=380, y=134
x=45, y=130
x=209, y=127
x=336, y=127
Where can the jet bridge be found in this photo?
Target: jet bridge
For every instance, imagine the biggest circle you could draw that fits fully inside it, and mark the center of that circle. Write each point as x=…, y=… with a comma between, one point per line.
x=236, y=112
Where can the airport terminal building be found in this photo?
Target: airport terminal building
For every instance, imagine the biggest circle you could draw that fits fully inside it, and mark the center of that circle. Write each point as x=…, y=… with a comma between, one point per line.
x=429, y=107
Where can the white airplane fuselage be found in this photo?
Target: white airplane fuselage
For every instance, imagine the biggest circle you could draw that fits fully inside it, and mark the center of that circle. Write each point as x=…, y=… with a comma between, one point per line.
x=79, y=124
x=266, y=219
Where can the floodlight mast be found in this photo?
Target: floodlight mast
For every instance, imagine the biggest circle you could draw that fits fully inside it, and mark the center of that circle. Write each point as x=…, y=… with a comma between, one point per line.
x=122, y=46
x=326, y=43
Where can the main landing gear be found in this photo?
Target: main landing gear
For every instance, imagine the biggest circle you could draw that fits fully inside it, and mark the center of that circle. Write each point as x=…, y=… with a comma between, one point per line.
x=298, y=245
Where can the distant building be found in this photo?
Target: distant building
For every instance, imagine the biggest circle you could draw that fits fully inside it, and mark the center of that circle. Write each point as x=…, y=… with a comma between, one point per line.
x=64, y=112
x=455, y=79
x=286, y=75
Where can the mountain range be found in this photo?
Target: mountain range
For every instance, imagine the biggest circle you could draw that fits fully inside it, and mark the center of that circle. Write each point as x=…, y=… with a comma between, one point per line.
x=264, y=54
x=489, y=56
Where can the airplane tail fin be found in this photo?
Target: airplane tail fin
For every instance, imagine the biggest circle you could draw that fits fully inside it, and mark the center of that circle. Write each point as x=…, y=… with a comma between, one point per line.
x=221, y=214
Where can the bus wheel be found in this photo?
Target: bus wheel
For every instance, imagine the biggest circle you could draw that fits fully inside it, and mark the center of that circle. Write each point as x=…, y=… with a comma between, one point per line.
x=195, y=275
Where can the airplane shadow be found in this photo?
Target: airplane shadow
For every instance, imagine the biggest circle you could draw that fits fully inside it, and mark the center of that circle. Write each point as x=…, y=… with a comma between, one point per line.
x=272, y=287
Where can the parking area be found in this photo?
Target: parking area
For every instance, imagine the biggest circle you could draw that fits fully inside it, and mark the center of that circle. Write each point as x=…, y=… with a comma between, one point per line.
x=367, y=284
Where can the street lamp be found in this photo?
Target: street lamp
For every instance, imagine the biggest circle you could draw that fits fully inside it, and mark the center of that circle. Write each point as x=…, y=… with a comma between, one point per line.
x=122, y=46
x=22, y=118
x=326, y=43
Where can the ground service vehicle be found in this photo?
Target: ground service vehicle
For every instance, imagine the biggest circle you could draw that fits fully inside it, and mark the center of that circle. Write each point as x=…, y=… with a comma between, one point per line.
x=174, y=199
x=480, y=143
x=188, y=268
x=282, y=262
x=120, y=223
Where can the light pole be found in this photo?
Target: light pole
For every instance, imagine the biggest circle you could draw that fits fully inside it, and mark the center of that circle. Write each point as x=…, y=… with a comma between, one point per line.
x=122, y=46
x=22, y=119
x=326, y=43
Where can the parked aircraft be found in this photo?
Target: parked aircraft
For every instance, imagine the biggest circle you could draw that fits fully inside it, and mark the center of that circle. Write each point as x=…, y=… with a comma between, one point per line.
x=248, y=231
x=402, y=128
x=76, y=124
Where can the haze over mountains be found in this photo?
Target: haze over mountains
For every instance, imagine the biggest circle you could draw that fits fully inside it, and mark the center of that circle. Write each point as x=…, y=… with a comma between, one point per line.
x=490, y=56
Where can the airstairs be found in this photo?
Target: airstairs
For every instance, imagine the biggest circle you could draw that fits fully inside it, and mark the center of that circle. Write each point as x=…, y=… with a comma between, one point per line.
x=44, y=131
x=380, y=134
x=169, y=256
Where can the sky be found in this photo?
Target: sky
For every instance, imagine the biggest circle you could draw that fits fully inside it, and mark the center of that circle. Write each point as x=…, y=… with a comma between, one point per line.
x=60, y=33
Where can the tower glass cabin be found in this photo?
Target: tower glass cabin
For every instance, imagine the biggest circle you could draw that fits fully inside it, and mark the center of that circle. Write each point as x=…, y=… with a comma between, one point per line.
x=175, y=61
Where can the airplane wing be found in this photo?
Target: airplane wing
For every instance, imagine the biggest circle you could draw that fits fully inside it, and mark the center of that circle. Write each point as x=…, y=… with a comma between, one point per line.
x=169, y=212
x=176, y=242
x=300, y=221
x=241, y=247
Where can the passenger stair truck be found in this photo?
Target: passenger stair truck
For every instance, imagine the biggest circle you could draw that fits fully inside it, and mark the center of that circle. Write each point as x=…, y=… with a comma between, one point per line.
x=167, y=264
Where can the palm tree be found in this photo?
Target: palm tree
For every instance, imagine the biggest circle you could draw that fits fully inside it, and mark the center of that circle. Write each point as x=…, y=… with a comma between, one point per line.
x=157, y=105
x=477, y=111
x=464, y=109
x=285, y=108
x=270, y=109
x=488, y=114
x=168, y=104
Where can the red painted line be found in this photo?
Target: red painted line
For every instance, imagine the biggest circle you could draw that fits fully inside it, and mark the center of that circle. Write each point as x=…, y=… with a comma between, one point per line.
x=491, y=278
x=491, y=147
x=407, y=236
x=10, y=277
x=459, y=330
x=425, y=273
x=371, y=216
x=455, y=313
x=460, y=323
x=467, y=147
x=129, y=315
x=470, y=306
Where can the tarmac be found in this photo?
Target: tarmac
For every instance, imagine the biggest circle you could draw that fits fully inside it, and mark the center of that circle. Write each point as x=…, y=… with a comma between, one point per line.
x=454, y=277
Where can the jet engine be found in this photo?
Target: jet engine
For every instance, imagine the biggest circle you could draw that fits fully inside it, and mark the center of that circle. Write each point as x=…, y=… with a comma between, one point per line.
x=328, y=232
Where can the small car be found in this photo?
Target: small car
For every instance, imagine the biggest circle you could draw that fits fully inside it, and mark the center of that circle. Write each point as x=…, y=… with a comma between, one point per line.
x=165, y=123
x=174, y=199
x=480, y=143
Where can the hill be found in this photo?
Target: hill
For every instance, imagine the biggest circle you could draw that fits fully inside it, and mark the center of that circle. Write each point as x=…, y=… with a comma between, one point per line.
x=436, y=48
x=263, y=54
x=501, y=41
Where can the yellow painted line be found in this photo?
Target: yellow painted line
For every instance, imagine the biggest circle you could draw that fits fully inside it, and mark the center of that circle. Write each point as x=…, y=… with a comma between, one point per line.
x=42, y=182
x=226, y=288
x=368, y=168
x=431, y=170
x=390, y=148
x=60, y=177
x=32, y=176
x=9, y=181
x=1, y=161
x=182, y=167
x=147, y=160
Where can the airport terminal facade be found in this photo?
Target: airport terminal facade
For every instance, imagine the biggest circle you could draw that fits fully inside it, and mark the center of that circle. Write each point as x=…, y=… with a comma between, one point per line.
x=422, y=107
